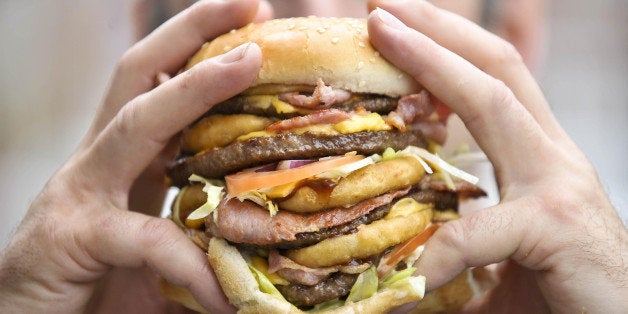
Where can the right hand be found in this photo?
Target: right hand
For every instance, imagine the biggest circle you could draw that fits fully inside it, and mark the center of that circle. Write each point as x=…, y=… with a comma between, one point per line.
x=562, y=244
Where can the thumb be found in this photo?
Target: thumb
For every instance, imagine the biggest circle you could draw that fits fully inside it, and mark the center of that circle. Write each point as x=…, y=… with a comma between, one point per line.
x=131, y=240
x=482, y=238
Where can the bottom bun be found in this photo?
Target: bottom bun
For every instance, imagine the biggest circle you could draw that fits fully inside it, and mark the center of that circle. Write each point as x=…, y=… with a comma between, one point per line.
x=242, y=289
x=243, y=292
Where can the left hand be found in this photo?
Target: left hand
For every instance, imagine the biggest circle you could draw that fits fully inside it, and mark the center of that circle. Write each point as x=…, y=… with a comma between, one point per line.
x=86, y=244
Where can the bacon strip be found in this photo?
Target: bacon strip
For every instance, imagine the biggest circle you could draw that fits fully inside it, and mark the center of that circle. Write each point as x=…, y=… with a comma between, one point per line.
x=464, y=189
x=297, y=273
x=246, y=222
x=411, y=108
x=326, y=116
x=415, y=107
x=322, y=97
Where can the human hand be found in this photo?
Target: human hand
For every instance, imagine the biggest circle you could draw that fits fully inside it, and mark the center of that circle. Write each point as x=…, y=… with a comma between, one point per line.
x=563, y=245
x=81, y=247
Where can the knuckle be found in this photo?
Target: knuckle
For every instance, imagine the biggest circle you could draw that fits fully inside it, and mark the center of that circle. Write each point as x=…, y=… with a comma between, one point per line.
x=190, y=77
x=491, y=100
x=507, y=54
x=128, y=117
x=158, y=232
x=501, y=96
x=233, y=11
x=128, y=62
x=453, y=234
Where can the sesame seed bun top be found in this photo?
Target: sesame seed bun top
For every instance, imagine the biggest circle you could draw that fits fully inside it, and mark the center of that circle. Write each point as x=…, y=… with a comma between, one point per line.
x=298, y=51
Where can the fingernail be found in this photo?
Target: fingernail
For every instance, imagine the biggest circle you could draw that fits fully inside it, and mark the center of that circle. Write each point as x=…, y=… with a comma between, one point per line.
x=389, y=19
x=235, y=54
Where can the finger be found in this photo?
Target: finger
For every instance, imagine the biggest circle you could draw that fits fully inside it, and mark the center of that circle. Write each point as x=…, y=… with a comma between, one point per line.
x=483, y=238
x=167, y=50
x=483, y=49
x=131, y=240
x=264, y=12
x=143, y=127
x=501, y=125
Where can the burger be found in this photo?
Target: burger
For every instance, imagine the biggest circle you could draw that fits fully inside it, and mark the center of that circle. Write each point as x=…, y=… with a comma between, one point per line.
x=316, y=188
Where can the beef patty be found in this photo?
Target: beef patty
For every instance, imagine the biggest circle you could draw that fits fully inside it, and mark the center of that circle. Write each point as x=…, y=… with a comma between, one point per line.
x=441, y=201
x=243, y=104
x=218, y=162
x=336, y=285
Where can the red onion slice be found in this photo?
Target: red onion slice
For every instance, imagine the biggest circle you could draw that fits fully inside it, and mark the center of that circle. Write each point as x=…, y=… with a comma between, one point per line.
x=291, y=164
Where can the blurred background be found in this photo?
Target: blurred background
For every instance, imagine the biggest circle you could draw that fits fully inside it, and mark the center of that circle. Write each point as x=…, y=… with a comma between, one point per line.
x=56, y=57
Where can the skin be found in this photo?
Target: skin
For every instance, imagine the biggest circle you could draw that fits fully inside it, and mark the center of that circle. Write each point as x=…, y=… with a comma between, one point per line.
x=560, y=243
x=90, y=241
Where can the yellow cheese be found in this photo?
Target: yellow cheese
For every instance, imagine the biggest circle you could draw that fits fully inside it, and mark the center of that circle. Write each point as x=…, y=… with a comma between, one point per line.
x=265, y=101
x=405, y=207
x=255, y=134
x=262, y=265
x=358, y=123
x=280, y=191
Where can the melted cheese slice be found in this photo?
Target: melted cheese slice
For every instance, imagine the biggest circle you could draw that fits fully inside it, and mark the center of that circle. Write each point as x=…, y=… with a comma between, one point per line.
x=265, y=101
x=358, y=123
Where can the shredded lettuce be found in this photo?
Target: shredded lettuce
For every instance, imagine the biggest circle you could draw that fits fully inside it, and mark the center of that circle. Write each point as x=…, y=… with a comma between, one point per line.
x=395, y=277
x=260, y=199
x=365, y=286
x=389, y=154
x=437, y=162
x=176, y=208
x=417, y=283
x=345, y=170
x=214, y=190
x=264, y=283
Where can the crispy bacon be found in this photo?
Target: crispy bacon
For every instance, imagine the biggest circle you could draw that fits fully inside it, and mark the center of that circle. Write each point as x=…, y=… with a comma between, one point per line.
x=396, y=120
x=297, y=273
x=322, y=97
x=415, y=107
x=464, y=189
x=246, y=222
x=326, y=116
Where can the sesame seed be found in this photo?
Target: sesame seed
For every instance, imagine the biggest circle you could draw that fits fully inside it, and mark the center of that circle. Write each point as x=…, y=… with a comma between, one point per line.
x=361, y=84
x=335, y=40
x=232, y=31
x=321, y=30
x=291, y=26
x=360, y=65
x=361, y=44
x=303, y=28
x=226, y=48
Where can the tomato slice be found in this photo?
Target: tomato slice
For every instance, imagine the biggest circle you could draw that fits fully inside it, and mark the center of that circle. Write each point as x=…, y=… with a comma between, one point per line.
x=390, y=260
x=246, y=181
